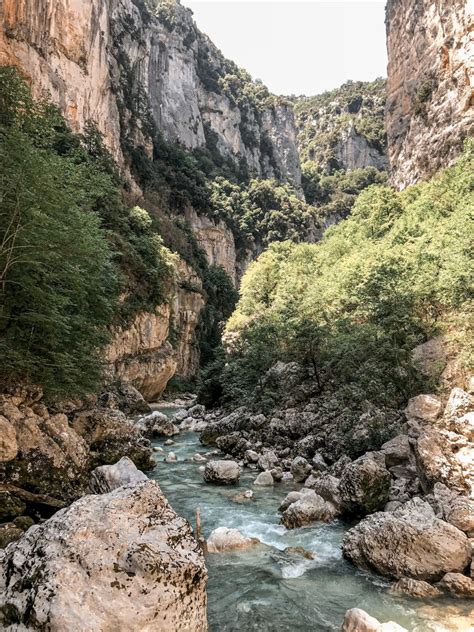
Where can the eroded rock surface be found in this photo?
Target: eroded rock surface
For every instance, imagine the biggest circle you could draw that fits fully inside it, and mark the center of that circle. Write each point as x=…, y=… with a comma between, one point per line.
x=146, y=568
x=408, y=542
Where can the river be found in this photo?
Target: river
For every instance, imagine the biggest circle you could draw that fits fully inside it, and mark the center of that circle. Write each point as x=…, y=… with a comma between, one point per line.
x=266, y=590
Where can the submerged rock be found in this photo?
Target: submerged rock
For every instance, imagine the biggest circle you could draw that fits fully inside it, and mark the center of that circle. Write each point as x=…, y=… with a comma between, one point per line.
x=264, y=479
x=408, y=542
x=414, y=588
x=357, y=620
x=223, y=540
x=146, y=569
x=310, y=507
x=222, y=472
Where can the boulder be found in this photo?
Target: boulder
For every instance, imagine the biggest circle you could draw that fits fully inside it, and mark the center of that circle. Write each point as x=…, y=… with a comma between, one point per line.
x=455, y=509
x=10, y=505
x=436, y=462
x=458, y=585
x=424, y=407
x=106, y=478
x=397, y=451
x=171, y=457
x=251, y=456
x=125, y=397
x=463, y=425
x=51, y=459
x=39, y=506
x=408, y=542
x=222, y=472
x=357, y=620
x=268, y=460
x=223, y=540
x=459, y=403
x=318, y=463
x=157, y=425
x=264, y=479
x=9, y=532
x=327, y=486
x=289, y=499
x=364, y=485
x=197, y=412
x=310, y=507
x=146, y=568
x=414, y=588
x=111, y=436
x=8, y=442
x=300, y=468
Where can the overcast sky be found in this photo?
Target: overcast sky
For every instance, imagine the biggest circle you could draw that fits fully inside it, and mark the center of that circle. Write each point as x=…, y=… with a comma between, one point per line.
x=299, y=47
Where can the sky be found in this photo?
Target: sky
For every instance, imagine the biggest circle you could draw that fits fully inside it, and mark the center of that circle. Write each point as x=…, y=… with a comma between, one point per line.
x=299, y=47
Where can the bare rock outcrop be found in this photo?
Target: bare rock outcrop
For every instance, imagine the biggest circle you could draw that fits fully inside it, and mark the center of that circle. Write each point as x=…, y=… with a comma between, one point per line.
x=408, y=542
x=146, y=568
x=416, y=588
x=429, y=102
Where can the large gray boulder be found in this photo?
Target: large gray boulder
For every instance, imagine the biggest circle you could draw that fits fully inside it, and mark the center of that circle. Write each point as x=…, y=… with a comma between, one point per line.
x=106, y=478
x=310, y=507
x=222, y=472
x=300, y=468
x=456, y=509
x=118, y=561
x=437, y=463
x=365, y=485
x=408, y=542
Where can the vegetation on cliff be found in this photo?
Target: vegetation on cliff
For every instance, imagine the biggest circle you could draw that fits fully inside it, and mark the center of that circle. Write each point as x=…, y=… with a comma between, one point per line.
x=351, y=308
x=70, y=247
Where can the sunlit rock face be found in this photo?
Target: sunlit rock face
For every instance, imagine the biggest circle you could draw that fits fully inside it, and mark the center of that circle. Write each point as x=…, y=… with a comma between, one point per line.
x=113, y=62
x=158, y=344
x=430, y=74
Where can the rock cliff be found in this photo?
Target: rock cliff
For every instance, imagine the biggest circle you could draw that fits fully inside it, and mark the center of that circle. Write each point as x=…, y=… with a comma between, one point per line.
x=126, y=67
x=430, y=73
x=158, y=344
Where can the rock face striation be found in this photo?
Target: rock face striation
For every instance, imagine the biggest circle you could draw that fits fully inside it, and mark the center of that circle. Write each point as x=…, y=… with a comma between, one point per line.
x=430, y=75
x=117, y=63
x=146, y=569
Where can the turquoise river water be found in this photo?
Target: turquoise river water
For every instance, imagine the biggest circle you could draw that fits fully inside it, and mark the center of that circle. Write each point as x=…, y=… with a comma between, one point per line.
x=264, y=589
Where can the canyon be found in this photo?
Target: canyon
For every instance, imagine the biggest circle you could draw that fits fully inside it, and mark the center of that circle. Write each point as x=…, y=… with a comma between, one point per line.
x=127, y=69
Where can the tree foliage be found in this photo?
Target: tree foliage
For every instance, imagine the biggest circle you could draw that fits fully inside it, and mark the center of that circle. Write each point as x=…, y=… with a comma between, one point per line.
x=69, y=247
x=397, y=272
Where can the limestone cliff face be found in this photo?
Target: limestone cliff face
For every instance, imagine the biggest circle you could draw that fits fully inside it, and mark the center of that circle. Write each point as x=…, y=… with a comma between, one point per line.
x=430, y=78
x=114, y=62
x=158, y=345
x=343, y=129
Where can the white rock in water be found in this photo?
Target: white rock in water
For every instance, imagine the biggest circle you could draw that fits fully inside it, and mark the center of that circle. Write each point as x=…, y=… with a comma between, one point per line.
x=118, y=561
x=223, y=472
x=357, y=620
x=264, y=479
x=171, y=457
x=106, y=478
x=199, y=458
x=224, y=539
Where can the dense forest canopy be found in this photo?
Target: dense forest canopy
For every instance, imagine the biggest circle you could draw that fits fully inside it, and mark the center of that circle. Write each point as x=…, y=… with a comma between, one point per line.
x=352, y=307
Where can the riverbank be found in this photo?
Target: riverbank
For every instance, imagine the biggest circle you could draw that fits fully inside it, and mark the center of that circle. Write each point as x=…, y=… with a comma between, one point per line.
x=266, y=589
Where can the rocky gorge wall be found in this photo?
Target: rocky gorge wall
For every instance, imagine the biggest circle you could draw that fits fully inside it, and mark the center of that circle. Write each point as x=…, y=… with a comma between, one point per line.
x=114, y=62
x=131, y=72
x=429, y=109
